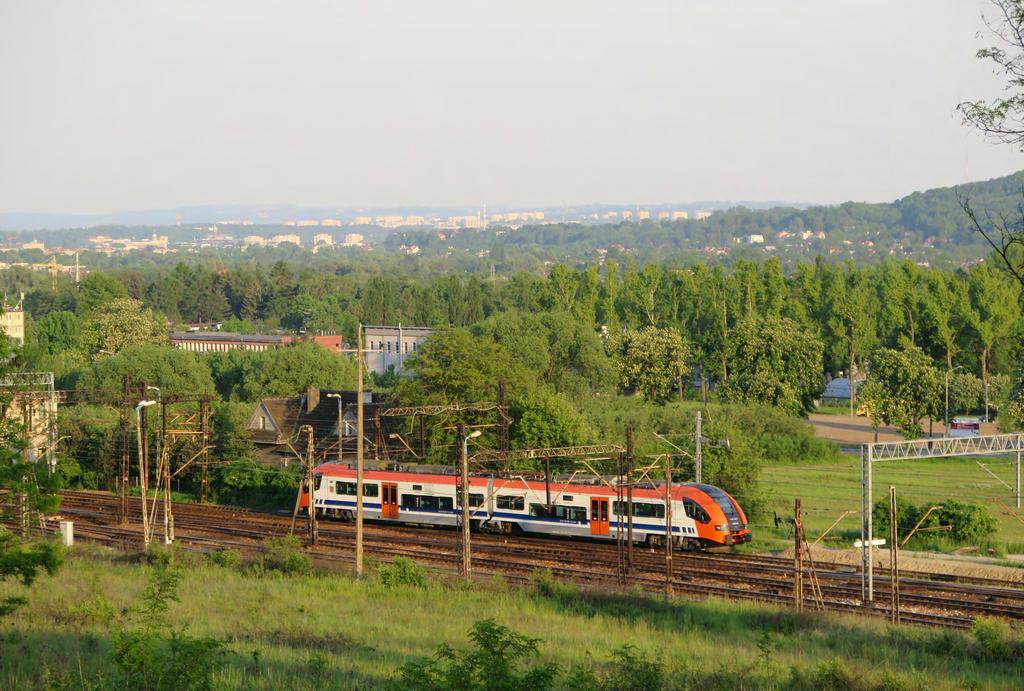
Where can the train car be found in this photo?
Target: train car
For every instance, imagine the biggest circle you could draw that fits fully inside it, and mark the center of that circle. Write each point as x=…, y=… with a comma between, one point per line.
x=702, y=515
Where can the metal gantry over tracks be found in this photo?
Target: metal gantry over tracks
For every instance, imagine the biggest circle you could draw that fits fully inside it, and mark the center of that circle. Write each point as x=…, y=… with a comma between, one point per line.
x=988, y=445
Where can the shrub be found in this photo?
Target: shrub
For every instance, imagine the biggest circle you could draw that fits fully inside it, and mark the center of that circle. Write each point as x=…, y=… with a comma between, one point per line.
x=150, y=659
x=284, y=556
x=544, y=584
x=967, y=522
x=827, y=675
x=401, y=572
x=631, y=670
x=97, y=609
x=226, y=558
x=991, y=635
x=496, y=661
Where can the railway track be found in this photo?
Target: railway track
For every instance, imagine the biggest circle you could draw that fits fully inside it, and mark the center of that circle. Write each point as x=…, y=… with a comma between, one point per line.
x=928, y=599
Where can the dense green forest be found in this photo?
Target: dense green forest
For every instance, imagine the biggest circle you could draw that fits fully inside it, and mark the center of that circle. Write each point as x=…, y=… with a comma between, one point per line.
x=583, y=350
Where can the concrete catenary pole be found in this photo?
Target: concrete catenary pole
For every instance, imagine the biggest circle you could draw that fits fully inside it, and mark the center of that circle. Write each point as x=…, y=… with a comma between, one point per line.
x=668, y=525
x=467, y=559
x=359, y=452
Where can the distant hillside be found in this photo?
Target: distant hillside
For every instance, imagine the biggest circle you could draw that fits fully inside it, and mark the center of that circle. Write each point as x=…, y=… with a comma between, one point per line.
x=924, y=226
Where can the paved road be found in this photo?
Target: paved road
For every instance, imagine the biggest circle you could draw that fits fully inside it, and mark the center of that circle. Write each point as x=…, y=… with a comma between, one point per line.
x=850, y=429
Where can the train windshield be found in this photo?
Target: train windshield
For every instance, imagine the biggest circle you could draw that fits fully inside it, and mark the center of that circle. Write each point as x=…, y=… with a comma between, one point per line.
x=725, y=504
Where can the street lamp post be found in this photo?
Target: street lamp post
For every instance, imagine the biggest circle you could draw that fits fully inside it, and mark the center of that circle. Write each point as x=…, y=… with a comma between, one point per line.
x=948, y=372
x=467, y=565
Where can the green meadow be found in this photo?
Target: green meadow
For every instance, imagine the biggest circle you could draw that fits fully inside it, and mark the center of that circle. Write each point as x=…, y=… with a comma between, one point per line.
x=330, y=631
x=829, y=489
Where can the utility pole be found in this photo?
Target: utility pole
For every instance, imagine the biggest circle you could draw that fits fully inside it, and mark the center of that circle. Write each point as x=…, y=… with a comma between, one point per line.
x=204, y=421
x=798, y=557
x=126, y=452
x=668, y=525
x=359, y=452
x=26, y=453
x=141, y=425
x=894, y=569
x=629, y=497
x=697, y=458
x=165, y=466
x=867, y=570
x=312, y=486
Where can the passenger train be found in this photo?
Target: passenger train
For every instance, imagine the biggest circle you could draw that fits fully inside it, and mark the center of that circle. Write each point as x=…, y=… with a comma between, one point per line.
x=702, y=515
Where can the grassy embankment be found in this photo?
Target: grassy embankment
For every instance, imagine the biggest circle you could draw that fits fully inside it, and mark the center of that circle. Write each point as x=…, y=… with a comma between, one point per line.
x=828, y=489
x=330, y=631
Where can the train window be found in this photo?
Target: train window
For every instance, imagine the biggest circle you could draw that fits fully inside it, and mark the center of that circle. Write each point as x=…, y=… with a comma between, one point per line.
x=575, y=514
x=371, y=490
x=319, y=479
x=641, y=509
x=350, y=489
x=646, y=510
x=417, y=488
x=474, y=499
x=417, y=501
x=538, y=510
x=513, y=503
x=567, y=497
x=695, y=511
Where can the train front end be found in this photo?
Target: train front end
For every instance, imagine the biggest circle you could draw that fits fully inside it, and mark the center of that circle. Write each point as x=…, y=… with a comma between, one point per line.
x=727, y=524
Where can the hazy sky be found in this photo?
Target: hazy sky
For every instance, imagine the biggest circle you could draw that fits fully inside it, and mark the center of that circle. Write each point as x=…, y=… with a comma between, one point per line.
x=109, y=106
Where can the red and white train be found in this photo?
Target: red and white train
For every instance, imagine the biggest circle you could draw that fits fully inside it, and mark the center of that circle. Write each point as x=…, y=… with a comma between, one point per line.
x=702, y=515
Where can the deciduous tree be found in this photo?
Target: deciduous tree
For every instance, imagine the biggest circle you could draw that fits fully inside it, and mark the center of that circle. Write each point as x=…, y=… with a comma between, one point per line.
x=903, y=388
x=772, y=361
x=652, y=361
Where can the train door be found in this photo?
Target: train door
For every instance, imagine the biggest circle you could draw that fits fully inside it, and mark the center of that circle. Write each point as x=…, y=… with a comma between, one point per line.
x=388, y=500
x=598, y=516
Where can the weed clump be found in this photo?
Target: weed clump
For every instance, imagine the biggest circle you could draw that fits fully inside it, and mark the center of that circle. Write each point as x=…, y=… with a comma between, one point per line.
x=284, y=555
x=402, y=572
x=628, y=669
x=226, y=558
x=991, y=636
x=827, y=675
x=149, y=658
x=497, y=660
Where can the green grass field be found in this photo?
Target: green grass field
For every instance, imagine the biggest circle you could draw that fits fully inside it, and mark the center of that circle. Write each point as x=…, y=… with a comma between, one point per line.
x=828, y=489
x=331, y=631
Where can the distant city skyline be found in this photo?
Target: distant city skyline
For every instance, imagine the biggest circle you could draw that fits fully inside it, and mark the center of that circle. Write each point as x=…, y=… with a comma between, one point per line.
x=109, y=108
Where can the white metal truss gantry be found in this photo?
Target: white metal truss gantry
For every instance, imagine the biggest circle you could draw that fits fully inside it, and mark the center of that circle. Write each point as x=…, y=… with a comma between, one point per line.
x=944, y=447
